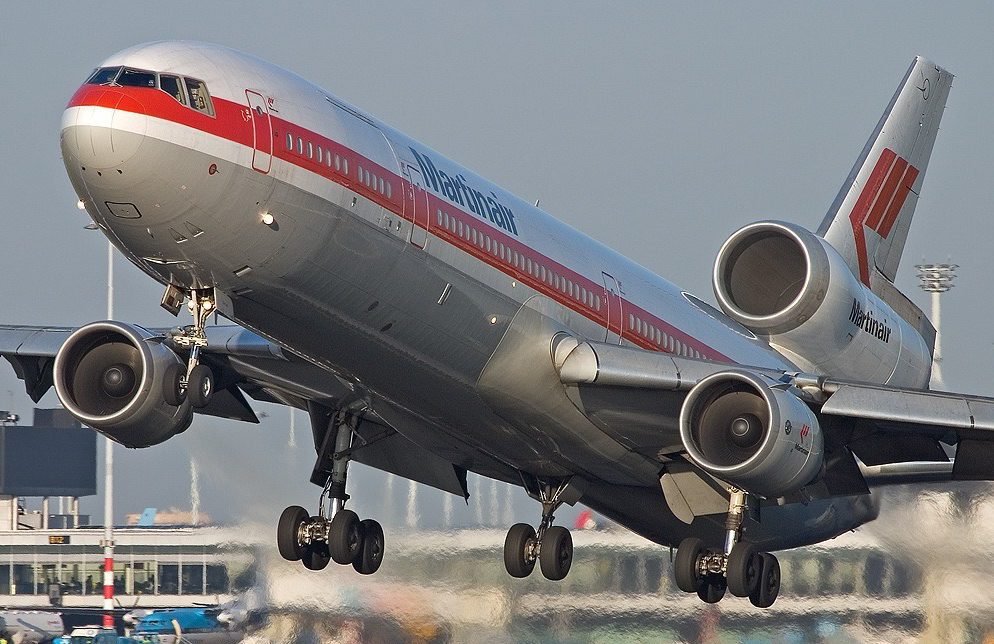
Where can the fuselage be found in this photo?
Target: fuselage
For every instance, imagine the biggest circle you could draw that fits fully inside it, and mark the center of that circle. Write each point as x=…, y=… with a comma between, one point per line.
x=367, y=253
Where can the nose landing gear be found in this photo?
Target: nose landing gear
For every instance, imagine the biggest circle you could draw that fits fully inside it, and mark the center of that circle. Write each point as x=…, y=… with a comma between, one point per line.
x=335, y=533
x=196, y=381
x=739, y=567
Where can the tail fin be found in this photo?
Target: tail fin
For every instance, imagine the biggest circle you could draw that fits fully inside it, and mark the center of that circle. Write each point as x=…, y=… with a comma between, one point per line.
x=869, y=220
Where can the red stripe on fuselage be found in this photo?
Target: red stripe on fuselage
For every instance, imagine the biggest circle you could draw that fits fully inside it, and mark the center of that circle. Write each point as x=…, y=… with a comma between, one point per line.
x=232, y=121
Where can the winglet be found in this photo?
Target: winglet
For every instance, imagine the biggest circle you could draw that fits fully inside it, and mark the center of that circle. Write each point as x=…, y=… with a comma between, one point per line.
x=869, y=220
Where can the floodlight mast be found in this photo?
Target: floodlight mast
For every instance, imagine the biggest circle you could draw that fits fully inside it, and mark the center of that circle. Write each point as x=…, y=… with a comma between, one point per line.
x=936, y=279
x=108, y=544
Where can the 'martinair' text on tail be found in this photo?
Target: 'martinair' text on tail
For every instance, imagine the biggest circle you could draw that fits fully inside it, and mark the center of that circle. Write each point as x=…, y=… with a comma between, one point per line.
x=869, y=220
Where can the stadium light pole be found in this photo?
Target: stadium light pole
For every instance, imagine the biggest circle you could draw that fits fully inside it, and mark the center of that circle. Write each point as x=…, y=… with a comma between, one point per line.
x=109, y=476
x=936, y=279
x=108, y=542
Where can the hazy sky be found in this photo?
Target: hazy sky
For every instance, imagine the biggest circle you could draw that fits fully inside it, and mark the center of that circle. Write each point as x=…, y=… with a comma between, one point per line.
x=657, y=128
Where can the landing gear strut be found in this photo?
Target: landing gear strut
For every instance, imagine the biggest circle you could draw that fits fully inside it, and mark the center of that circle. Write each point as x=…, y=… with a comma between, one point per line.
x=196, y=381
x=551, y=546
x=739, y=567
x=335, y=533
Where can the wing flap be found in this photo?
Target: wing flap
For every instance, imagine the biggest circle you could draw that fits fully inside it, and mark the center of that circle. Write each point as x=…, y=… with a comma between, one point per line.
x=904, y=409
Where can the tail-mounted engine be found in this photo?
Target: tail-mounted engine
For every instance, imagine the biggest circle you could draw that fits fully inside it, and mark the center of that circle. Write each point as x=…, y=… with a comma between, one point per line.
x=792, y=287
x=112, y=377
x=751, y=433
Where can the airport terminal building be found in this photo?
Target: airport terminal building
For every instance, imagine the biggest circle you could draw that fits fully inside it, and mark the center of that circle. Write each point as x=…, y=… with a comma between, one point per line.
x=50, y=557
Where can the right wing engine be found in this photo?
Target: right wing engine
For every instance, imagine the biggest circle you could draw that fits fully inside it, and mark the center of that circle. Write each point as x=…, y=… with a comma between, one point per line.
x=112, y=377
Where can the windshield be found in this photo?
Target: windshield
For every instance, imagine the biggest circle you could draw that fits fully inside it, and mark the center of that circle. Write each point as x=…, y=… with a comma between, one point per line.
x=191, y=92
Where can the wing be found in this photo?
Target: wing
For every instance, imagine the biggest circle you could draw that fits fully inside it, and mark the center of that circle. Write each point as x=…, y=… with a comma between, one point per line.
x=246, y=364
x=873, y=434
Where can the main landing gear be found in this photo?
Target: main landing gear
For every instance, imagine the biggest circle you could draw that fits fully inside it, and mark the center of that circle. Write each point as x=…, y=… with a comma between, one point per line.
x=335, y=533
x=196, y=380
x=739, y=568
x=551, y=546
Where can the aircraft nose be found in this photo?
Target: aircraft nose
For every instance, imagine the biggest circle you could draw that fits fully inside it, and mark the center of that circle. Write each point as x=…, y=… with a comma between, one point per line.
x=104, y=130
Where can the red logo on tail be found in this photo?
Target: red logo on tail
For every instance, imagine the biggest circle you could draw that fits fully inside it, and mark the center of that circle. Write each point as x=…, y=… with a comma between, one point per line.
x=880, y=203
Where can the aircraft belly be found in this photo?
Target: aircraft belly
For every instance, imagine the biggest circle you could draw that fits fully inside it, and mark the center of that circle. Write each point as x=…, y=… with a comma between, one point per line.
x=642, y=510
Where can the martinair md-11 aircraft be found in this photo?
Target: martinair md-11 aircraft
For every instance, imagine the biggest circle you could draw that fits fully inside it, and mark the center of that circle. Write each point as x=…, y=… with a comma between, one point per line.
x=433, y=324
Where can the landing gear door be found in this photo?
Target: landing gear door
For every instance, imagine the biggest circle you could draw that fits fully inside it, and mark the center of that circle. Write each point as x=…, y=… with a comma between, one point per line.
x=262, y=131
x=613, y=314
x=416, y=206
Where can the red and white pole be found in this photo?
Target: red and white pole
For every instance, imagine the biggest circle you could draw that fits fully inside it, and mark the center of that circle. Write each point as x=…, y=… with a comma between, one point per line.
x=109, y=478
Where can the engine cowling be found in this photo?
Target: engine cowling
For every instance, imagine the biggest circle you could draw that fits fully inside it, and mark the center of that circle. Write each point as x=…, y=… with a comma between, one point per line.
x=756, y=436
x=787, y=284
x=111, y=376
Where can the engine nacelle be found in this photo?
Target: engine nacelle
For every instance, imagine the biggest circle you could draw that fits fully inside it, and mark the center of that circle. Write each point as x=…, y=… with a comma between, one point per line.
x=111, y=376
x=752, y=434
x=791, y=286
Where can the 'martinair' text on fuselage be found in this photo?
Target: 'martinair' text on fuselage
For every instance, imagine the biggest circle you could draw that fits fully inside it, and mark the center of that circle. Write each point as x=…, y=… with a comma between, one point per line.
x=865, y=320
x=455, y=190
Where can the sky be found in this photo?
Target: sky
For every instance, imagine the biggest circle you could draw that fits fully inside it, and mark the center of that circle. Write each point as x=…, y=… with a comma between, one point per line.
x=657, y=128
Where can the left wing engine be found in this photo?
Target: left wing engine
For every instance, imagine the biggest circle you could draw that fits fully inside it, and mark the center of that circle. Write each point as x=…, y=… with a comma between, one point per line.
x=752, y=433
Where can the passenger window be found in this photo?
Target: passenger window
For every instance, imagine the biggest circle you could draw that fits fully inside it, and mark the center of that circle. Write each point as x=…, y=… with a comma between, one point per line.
x=382, y=186
x=345, y=166
x=320, y=155
x=171, y=85
x=438, y=215
x=103, y=75
x=289, y=141
x=136, y=78
x=389, y=191
x=338, y=163
x=200, y=99
x=310, y=150
x=300, y=145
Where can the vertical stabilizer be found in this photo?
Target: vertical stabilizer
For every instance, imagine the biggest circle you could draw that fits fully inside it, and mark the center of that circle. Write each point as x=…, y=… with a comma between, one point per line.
x=869, y=220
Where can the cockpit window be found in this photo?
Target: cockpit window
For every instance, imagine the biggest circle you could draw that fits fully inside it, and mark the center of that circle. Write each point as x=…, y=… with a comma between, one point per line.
x=173, y=86
x=136, y=78
x=199, y=98
x=103, y=75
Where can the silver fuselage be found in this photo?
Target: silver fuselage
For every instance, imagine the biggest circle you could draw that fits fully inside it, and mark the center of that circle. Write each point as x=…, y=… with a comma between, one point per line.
x=392, y=268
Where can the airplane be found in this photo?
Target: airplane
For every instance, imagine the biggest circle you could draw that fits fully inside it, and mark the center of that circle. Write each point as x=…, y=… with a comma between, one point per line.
x=30, y=626
x=197, y=625
x=433, y=324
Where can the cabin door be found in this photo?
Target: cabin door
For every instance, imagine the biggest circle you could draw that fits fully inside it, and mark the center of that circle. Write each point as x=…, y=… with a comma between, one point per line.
x=262, y=132
x=416, y=202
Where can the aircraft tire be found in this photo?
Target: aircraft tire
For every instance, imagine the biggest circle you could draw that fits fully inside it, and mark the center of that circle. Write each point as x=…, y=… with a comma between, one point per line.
x=286, y=532
x=685, y=565
x=371, y=554
x=712, y=589
x=768, y=588
x=345, y=537
x=200, y=386
x=172, y=387
x=556, y=555
x=743, y=569
x=517, y=542
x=316, y=556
